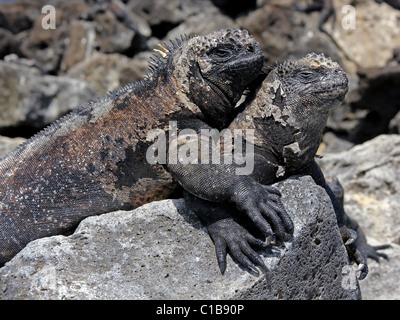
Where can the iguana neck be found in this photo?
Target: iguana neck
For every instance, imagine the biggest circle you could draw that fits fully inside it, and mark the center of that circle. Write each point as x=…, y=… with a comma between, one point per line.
x=307, y=135
x=273, y=114
x=303, y=122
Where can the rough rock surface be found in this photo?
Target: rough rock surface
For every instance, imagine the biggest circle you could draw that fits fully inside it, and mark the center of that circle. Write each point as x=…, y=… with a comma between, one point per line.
x=376, y=33
x=382, y=282
x=105, y=50
x=93, y=37
x=369, y=174
x=30, y=97
x=161, y=251
x=108, y=72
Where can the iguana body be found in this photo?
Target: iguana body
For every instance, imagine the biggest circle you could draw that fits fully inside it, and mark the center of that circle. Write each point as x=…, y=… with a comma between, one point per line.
x=288, y=113
x=94, y=160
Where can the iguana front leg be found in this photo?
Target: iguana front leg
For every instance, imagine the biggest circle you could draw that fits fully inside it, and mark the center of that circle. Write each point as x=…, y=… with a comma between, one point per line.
x=220, y=183
x=228, y=235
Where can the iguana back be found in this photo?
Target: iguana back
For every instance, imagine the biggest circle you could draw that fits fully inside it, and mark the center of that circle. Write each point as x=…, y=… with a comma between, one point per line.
x=94, y=160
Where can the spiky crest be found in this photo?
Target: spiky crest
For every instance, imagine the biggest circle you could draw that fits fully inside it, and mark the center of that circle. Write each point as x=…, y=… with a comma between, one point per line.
x=313, y=60
x=162, y=53
x=157, y=61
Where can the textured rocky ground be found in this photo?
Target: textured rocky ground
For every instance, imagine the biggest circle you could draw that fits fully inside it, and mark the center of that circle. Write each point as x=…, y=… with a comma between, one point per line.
x=369, y=174
x=98, y=46
x=161, y=251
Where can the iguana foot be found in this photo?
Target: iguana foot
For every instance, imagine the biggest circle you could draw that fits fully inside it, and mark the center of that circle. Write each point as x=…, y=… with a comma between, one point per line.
x=229, y=235
x=356, y=254
x=264, y=207
x=348, y=235
x=361, y=242
x=372, y=251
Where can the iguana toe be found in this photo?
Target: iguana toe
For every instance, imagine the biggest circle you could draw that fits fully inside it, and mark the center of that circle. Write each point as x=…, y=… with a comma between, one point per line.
x=230, y=236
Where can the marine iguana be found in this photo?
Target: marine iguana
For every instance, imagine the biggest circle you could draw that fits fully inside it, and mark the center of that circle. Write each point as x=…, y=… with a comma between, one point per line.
x=288, y=113
x=93, y=160
x=372, y=252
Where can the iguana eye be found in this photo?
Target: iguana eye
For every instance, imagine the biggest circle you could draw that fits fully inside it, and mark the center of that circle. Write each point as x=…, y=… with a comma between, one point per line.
x=220, y=52
x=306, y=74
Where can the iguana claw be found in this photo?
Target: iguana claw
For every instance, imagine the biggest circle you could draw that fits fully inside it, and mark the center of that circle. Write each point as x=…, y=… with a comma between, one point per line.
x=229, y=235
x=358, y=256
x=363, y=268
x=348, y=235
x=264, y=207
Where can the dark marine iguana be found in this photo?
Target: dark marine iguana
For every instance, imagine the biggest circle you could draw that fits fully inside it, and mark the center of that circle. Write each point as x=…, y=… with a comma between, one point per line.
x=94, y=161
x=288, y=113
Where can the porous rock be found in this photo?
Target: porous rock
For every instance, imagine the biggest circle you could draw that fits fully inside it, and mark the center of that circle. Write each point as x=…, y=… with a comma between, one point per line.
x=369, y=176
x=376, y=26
x=382, y=282
x=161, y=251
x=108, y=72
x=29, y=97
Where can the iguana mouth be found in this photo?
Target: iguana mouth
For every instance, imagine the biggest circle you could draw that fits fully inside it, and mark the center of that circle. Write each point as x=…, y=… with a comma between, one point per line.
x=241, y=73
x=332, y=88
x=333, y=91
x=220, y=91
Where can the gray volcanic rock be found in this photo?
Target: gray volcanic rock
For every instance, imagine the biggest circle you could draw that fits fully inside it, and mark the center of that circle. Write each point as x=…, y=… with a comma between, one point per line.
x=29, y=97
x=161, y=251
x=369, y=174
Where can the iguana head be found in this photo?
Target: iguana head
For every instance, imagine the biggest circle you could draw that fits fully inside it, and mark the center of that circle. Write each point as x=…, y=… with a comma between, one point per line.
x=213, y=70
x=290, y=108
x=312, y=85
x=302, y=92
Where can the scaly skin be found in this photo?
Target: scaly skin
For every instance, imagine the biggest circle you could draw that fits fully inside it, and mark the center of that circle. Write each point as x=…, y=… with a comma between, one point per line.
x=288, y=112
x=94, y=160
